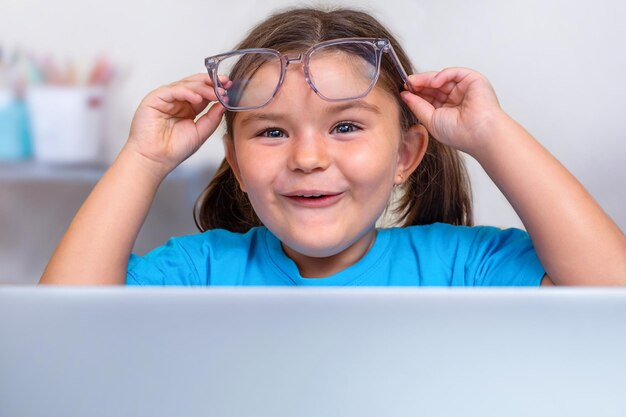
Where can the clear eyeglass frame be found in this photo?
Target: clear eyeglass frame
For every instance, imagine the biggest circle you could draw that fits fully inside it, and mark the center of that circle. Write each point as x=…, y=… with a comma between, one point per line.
x=380, y=46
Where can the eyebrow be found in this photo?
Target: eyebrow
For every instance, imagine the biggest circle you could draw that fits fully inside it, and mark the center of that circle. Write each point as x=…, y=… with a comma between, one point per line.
x=249, y=118
x=359, y=104
x=252, y=117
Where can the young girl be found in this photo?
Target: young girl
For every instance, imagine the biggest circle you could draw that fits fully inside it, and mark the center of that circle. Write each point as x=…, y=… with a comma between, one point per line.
x=324, y=130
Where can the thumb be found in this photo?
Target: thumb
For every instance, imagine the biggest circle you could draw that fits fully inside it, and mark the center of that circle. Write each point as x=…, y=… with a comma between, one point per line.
x=421, y=108
x=209, y=121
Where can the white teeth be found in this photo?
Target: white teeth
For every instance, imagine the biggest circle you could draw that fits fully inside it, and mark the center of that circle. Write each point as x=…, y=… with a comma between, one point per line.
x=312, y=195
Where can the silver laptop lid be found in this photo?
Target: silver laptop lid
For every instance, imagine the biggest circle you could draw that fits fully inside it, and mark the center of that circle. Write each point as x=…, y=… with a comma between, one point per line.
x=313, y=352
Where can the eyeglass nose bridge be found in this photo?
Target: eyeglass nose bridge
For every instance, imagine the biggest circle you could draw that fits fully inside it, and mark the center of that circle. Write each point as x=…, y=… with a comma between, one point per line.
x=298, y=58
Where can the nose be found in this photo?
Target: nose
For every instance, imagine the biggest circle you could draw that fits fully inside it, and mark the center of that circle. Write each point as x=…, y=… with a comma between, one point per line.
x=309, y=153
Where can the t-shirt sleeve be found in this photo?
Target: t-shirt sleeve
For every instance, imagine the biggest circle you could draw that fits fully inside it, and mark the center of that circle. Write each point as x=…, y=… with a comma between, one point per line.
x=499, y=257
x=170, y=264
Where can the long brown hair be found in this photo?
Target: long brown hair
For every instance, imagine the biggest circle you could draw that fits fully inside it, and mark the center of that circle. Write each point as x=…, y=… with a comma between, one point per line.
x=437, y=191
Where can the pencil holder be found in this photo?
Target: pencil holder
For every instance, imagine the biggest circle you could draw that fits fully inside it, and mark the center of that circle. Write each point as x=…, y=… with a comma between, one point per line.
x=67, y=123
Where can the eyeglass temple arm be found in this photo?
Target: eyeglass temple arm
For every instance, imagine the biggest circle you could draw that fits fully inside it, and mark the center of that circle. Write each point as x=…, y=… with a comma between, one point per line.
x=401, y=70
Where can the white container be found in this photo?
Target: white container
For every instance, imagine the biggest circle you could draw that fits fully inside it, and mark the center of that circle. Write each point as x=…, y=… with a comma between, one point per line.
x=67, y=123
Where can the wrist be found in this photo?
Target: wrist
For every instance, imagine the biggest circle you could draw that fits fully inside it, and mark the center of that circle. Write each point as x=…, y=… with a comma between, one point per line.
x=496, y=133
x=144, y=165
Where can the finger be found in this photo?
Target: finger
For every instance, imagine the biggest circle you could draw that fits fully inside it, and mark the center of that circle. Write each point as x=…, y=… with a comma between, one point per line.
x=198, y=81
x=201, y=76
x=448, y=87
x=205, y=78
x=452, y=74
x=208, y=92
x=178, y=93
x=421, y=80
x=420, y=107
x=432, y=92
x=207, y=124
x=199, y=107
x=196, y=93
x=427, y=85
x=226, y=82
x=429, y=99
x=203, y=84
x=434, y=96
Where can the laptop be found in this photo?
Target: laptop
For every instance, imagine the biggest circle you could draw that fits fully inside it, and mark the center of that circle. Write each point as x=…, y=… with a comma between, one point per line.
x=293, y=352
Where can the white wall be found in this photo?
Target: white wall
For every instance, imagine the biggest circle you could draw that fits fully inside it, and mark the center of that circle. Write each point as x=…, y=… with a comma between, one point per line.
x=558, y=66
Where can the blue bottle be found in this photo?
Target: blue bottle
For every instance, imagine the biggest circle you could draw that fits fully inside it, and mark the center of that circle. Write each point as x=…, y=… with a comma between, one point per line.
x=15, y=140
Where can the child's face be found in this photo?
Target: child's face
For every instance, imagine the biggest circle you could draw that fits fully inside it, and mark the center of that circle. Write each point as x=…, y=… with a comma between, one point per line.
x=318, y=173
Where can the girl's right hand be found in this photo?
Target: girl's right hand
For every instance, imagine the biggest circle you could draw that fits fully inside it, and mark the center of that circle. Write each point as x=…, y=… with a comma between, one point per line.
x=163, y=129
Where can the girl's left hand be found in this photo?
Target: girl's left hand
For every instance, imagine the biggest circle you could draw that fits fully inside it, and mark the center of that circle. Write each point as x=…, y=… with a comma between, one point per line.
x=457, y=106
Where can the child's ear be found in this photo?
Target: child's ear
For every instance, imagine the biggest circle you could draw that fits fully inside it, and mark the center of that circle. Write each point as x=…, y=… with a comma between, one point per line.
x=411, y=152
x=231, y=157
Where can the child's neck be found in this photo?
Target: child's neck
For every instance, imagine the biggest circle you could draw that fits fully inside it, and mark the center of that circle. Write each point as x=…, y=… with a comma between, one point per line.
x=312, y=267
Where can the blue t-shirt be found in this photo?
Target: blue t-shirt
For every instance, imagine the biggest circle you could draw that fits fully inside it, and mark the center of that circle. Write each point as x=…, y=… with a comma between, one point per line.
x=434, y=255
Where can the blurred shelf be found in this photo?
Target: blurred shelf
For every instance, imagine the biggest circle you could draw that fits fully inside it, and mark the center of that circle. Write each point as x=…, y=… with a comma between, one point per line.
x=38, y=202
x=37, y=172
x=31, y=171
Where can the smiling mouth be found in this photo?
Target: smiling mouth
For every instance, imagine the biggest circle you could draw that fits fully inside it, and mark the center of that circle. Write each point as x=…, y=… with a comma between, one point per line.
x=311, y=196
x=315, y=200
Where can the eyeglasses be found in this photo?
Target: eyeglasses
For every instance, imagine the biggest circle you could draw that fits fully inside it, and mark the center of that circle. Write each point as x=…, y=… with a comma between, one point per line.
x=337, y=70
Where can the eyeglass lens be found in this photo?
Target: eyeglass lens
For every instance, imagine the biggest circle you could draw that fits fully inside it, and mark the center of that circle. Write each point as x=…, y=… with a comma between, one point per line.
x=337, y=72
x=344, y=71
x=254, y=76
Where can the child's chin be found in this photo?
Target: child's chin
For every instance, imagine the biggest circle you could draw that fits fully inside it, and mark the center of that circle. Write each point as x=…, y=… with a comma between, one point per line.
x=317, y=248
